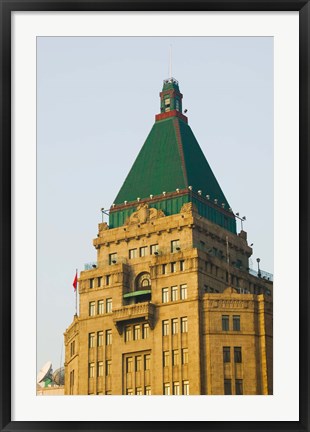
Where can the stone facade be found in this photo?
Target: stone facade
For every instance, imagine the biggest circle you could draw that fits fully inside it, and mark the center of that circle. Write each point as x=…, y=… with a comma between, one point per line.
x=170, y=308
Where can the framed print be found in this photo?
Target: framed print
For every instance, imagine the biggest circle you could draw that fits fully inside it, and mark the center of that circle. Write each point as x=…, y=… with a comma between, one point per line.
x=169, y=268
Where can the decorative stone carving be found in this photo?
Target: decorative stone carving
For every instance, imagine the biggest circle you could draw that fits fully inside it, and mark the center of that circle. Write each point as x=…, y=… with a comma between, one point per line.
x=188, y=208
x=144, y=214
x=103, y=226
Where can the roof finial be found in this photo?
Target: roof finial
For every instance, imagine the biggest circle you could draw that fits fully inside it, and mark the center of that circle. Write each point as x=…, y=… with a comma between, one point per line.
x=170, y=63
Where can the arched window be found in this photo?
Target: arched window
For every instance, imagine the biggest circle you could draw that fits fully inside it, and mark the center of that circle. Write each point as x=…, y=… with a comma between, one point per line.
x=143, y=282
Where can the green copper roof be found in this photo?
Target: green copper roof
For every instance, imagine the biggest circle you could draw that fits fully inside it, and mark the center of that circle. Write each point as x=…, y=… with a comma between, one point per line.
x=170, y=158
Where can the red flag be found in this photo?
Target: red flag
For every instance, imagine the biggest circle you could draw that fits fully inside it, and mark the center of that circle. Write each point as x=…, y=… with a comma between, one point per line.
x=75, y=282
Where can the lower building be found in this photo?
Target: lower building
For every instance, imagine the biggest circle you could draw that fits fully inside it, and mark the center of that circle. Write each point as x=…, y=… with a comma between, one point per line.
x=173, y=318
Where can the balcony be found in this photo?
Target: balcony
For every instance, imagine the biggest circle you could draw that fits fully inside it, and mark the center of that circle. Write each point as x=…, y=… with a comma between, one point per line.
x=134, y=313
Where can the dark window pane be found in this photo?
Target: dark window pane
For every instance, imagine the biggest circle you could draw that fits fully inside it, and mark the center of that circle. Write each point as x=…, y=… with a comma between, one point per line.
x=236, y=322
x=226, y=354
x=227, y=387
x=237, y=355
x=239, y=387
x=225, y=322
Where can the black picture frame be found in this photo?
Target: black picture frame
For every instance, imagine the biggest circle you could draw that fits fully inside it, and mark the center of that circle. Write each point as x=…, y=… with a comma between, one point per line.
x=9, y=6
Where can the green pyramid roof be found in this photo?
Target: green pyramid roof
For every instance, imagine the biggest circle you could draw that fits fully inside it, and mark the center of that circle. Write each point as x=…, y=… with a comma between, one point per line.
x=171, y=170
x=170, y=158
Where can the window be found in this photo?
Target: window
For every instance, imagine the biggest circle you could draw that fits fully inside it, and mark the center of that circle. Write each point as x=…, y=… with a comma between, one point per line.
x=165, y=358
x=71, y=381
x=165, y=328
x=227, y=387
x=72, y=348
x=225, y=322
x=136, y=332
x=100, y=369
x=133, y=253
x=148, y=390
x=173, y=267
x=138, y=361
x=100, y=338
x=175, y=327
x=176, y=388
x=108, y=279
x=92, y=308
x=167, y=101
x=226, y=354
x=113, y=258
x=108, y=337
x=175, y=357
x=164, y=269
x=138, y=391
x=100, y=307
x=108, y=392
x=236, y=322
x=184, y=328
x=177, y=105
x=185, y=356
x=91, y=340
x=146, y=331
x=175, y=245
x=145, y=281
x=185, y=387
x=174, y=293
x=109, y=305
x=239, y=387
x=165, y=295
x=182, y=265
x=129, y=392
x=147, y=362
x=183, y=292
x=91, y=283
x=237, y=355
x=91, y=370
x=154, y=249
x=167, y=389
x=143, y=251
x=129, y=365
x=108, y=364
x=128, y=334
x=99, y=281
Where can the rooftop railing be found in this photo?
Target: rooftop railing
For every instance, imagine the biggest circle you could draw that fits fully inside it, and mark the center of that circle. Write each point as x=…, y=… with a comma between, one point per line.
x=261, y=274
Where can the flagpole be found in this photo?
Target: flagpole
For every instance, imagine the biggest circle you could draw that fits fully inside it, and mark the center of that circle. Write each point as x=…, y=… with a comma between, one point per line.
x=76, y=296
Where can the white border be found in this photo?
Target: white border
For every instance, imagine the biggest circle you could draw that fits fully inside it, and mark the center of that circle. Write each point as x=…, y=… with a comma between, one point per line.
x=284, y=405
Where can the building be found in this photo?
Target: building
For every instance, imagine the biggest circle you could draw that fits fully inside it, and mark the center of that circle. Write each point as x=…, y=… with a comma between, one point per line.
x=171, y=306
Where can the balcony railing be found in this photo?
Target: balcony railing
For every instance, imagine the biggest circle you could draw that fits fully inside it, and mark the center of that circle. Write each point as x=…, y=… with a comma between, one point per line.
x=141, y=311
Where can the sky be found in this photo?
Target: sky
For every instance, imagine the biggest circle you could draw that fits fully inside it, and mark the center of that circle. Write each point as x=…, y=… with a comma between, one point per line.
x=96, y=103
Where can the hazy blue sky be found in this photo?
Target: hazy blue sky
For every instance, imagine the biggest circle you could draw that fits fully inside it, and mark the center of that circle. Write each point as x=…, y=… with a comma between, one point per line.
x=96, y=103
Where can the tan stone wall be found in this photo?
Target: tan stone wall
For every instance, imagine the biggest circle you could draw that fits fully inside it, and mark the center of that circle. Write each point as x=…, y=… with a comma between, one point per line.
x=201, y=271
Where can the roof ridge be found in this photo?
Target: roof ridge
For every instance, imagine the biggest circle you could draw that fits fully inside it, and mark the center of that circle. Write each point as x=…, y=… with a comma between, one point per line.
x=180, y=147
